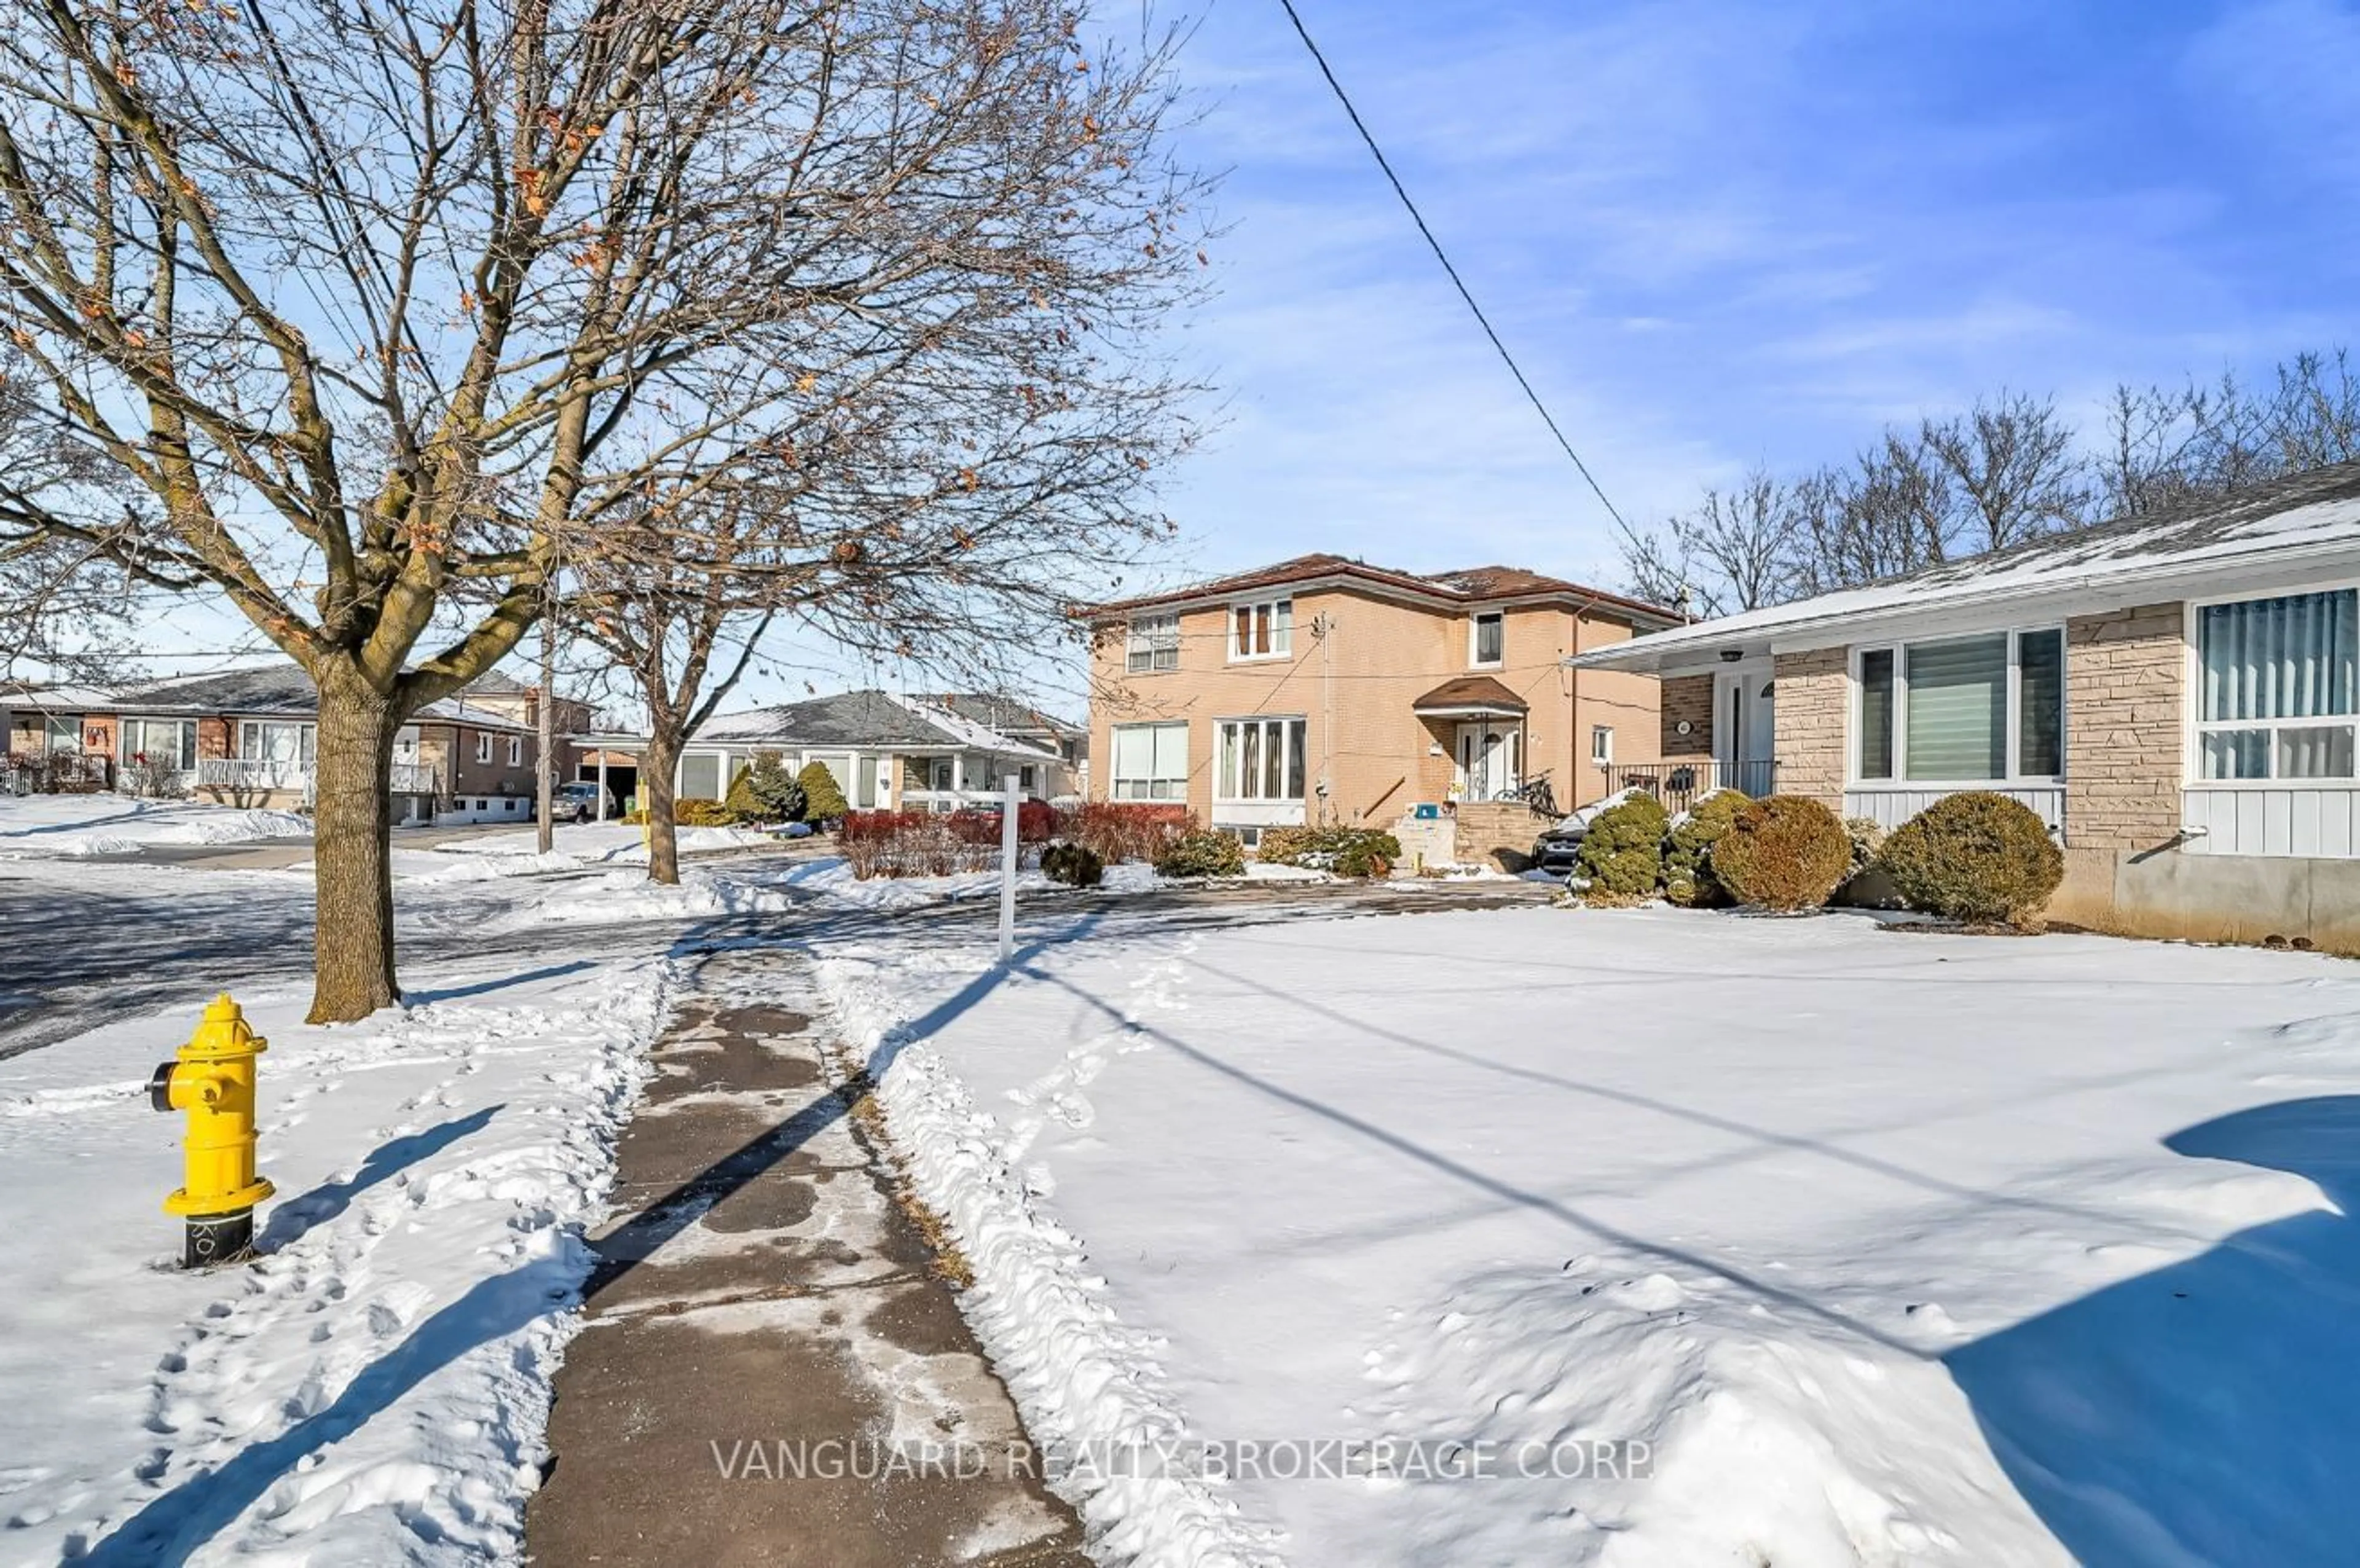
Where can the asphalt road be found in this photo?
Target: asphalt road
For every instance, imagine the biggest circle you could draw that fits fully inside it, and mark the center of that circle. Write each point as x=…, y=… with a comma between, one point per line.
x=81, y=949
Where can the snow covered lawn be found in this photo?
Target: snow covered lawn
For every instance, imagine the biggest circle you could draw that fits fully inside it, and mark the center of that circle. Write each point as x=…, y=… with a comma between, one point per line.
x=374, y=1389
x=1878, y=1247
x=118, y=825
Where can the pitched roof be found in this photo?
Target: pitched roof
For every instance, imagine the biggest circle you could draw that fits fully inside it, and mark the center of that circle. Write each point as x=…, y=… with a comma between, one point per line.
x=2306, y=523
x=1009, y=715
x=873, y=719
x=1478, y=693
x=1468, y=585
x=268, y=689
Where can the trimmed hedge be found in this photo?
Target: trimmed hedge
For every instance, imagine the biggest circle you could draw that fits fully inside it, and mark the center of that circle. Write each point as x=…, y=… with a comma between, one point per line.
x=1348, y=851
x=1074, y=865
x=1688, y=877
x=1201, y=853
x=1976, y=855
x=1622, y=853
x=1786, y=853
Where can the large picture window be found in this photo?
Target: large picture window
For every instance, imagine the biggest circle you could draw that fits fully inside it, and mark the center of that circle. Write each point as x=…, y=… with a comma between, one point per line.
x=1264, y=630
x=1150, y=762
x=1987, y=709
x=1152, y=644
x=2276, y=686
x=277, y=743
x=165, y=743
x=1259, y=760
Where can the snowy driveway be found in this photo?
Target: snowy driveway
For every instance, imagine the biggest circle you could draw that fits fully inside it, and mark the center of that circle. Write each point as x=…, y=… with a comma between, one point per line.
x=1889, y=1248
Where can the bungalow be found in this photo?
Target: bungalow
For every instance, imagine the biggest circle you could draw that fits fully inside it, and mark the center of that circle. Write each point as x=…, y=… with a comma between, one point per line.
x=248, y=738
x=2174, y=693
x=885, y=751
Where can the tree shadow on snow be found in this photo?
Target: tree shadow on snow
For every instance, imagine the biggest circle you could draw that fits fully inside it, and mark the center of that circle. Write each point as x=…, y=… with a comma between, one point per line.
x=292, y=1216
x=2208, y=1411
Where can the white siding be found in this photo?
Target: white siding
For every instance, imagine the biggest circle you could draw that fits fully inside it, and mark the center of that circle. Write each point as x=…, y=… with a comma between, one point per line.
x=1892, y=807
x=2309, y=819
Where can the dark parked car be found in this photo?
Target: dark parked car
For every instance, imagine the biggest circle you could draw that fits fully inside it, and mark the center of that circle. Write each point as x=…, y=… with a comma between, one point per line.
x=1557, y=849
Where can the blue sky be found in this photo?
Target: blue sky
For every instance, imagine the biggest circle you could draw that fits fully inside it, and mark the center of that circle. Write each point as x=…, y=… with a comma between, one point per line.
x=1718, y=233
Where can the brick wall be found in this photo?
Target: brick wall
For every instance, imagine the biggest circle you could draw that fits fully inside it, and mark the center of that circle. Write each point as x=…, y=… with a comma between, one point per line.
x=1813, y=699
x=1689, y=698
x=2125, y=707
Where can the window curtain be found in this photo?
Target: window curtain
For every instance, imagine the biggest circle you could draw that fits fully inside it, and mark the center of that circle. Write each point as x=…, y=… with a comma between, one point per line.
x=2040, y=705
x=2290, y=657
x=1958, y=710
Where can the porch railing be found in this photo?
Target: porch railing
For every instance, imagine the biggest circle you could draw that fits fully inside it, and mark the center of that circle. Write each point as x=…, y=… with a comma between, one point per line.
x=258, y=773
x=1678, y=784
x=949, y=800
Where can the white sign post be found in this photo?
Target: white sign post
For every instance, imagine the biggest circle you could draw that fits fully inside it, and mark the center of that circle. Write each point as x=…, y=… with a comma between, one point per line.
x=1009, y=802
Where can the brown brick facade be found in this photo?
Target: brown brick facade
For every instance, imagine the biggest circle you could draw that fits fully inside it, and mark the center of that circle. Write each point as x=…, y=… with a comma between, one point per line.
x=1687, y=699
x=2124, y=706
x=1813, y=716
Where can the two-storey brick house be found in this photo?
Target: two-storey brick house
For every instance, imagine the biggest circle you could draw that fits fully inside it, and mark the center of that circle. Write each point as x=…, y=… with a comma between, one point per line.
x=1323, y=688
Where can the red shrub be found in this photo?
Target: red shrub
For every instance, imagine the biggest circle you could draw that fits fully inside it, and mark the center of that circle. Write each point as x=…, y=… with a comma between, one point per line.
x=1127, y=830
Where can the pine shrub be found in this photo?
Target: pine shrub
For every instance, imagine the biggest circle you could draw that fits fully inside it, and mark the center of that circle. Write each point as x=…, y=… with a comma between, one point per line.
x=824, y=799
x=1688, y=877
x=1202, y=853
x=1074, y=865
x=743, y=804
x=1347, y=851
x=1786, y=853
x=775, y=789
x=1977, y=856
x=1622, y=853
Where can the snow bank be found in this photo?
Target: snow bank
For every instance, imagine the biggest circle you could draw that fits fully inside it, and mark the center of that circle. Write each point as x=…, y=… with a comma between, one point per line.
x=1080, y=1376
x=374, y=1389
x=119, y=824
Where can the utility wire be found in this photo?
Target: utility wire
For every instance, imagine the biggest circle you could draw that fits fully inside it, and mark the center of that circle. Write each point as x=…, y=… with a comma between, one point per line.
x=1439, y=255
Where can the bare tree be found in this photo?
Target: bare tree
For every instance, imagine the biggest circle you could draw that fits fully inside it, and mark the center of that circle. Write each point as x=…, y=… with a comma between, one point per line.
x=2014, y=473
x=2169, y=445
x=1732, y=553
x=389, y=306
x=65, y=607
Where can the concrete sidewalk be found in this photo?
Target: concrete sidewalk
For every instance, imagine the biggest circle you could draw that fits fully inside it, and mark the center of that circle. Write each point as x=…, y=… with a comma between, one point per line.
x=762, y=1306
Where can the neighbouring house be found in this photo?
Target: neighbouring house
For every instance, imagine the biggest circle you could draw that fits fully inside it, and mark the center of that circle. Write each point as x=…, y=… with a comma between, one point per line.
x=1323, y=689
x=1068, y=778
x=2175, y=694
x=249, y=737
x=885, y=751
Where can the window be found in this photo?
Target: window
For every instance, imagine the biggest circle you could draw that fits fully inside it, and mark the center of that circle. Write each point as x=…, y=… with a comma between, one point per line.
x=1962, y=709
x=1027, y=779
x=1487, y=638
x=1154, y=644
x=277, y=743
x=165, y=743
x=1150, y=762
x=1264, y=630
x=1259, y=760
x=2273, y=675
x=700, y=776
x=516, y=751
x=482, y=746
x=1601, y=744
x=1877, y=714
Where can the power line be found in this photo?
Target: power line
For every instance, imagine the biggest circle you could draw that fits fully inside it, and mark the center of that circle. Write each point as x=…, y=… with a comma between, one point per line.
x=1439, y=255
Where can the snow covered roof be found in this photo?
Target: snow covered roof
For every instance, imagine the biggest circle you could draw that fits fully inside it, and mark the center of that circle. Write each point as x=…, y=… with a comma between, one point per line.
x=265, y=690
x=863, y=719
x=2307, y=526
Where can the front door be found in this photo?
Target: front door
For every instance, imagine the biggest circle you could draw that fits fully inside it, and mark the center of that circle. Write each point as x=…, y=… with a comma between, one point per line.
x=1746, y=733
x=1487, y=759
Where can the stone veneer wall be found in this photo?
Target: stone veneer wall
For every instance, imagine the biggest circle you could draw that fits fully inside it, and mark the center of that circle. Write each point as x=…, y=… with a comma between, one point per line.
x=1812, y=703
x=2124, y=709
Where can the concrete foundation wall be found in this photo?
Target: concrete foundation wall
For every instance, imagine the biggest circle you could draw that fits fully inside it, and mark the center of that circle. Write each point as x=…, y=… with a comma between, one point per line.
x=2211, y=897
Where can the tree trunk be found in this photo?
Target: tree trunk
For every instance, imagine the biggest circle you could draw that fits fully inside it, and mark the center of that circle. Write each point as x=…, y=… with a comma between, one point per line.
x=352, y=826
x=658, y=769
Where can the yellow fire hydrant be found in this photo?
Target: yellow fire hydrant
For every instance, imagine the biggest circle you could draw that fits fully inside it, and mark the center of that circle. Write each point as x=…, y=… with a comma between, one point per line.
x=213, y=1080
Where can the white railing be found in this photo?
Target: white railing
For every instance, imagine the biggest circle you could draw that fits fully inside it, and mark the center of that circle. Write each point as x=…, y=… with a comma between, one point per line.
x=947, y=800
x=252, y=773
x=415, y=778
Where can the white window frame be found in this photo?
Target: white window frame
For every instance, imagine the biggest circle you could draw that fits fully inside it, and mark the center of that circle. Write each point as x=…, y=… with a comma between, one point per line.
x=1475, y=660
x=1152, y=645
x=307, y=738
x=1261, y=611
x=184, y=742
x=1176, y=789
x=1601, y=745
x=516, y=751
x=483, y=746
x=1292, y=731
x=2013, y=720
x=2192, y=726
